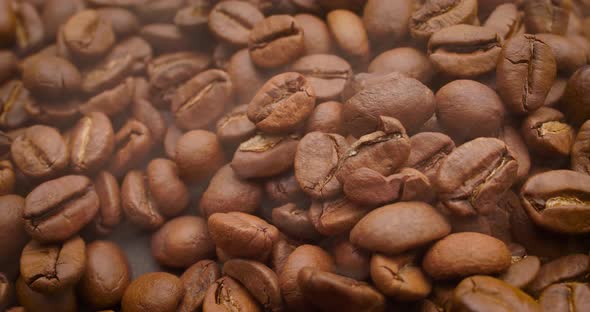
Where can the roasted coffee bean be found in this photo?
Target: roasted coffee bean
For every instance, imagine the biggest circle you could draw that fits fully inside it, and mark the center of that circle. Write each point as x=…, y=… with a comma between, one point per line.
x=91, y=143
x=427, y=225
x=166, y=38
x=233, y=230
x=170, y=139
x=144, y=112
x=135, y=48
x=547, y=16
x=327, y=118
x=55, y=12
x=232, y=21
x=387, y=21
x=525, y=73
x=275, y=41
x=327, y=74
x=284, y=189
x=506, y=20
x=574, y=102
x=87, y=35
x=515, y=143
x=400, y=277
x=304, y=256
x=317, y=161
x=156, y=291
x=168, y=191
x=465, y=50
x=29, y=27
x=123, y=21
x=198, y=155
x=51, y=269
x=58, y=209
x=57, y=113
x=241, y=69
x=467, y=109
x=330, y=291
x=567, y=268
x=202, y=100
x=568, y=56
x=350, y=260
x=7, y=23
x=428, y=150
x=132, y=144
x=37, y=302
x=264, y=156
x=194, y=17
x=40, y=152
x=483, y=293
x=393, y=95
x=336, y=216
x=558, y=200
x=109, y=211
x=158, y=10
x=13, y=236
x=113, y=101
x=294, y=222
x=235, y=127
x=280, y=252
x=520, y=274
x=182, y=242
x=259, y=280
x=227, y=192
x=349, y=34
x=197, y=280
x=473, y=178
x=282, y=104
x=7, y=177
x=108, y=74
x=409, y=61
x=435, y=15
x=464, y=254
x=53, y=77
x=138, y=203
x=13, y=100
x=317, y=37
x=565, y=297
x=546, y=132
x=227, y=294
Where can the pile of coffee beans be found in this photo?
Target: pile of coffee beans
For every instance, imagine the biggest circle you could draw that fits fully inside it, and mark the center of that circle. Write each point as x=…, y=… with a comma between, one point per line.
x=295, y=155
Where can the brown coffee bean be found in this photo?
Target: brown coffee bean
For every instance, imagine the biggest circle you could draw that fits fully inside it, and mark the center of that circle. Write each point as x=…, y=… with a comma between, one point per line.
x=202, y=100
x=29, y=27
x=51, y=269
x=327, y=74
x=55, y=12
x=87, y=35
x=568, y=56
x=144, y=112
x=282, y=104
x=57, y=113
x=546, y=132
x=409, y=61
x=520, y=274
x=109, y=211
x=326, y=118
x=556, y=201
x=123, y=21
x=13, y=99
x=284, y=189
x=91, y=143
x=194, y=17
x=473, y=178
x=227, y=294
x=350, y=260
x=170, y=139
x=515, y=143
x=182, y=242
x=435, y=15
x=428, y=150
x=330, y=291
x=50, y=76
x=232, y=21
x=392, y=95
x=7, y=177
x=233, y=230
x=13, y=236
x=566, y=268
x=198, y=155
x=275, y=41
x=417, y=224
x=565, y=297
x=349, y=34
x=108, y=74
x=574, y=98
x=58, y=209
x=317, y=160
x=387, y=21
x=303, y=256
x=547, y=16
x=138, y=203
x=197, y=280
x=280, y=252
x=158, y=10
x=169, y=192
x=7, y=23
x=235, y=127
x=259, y=280
x=113, y=101
x=265, y=156
x=525, y=73
x=506, y=20
x=138, y=50
x=317, y=37
x=400, y=277
x=156, y=291
x=464, y=254
x=485, y=293
x=251, y=78
x=294, y=222
x=465, y=50
x=133, y=142
x=33, y=301
x=336, y=216
x=166, y=38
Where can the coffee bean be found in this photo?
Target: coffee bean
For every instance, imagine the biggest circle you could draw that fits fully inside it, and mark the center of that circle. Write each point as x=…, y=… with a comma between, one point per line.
x=194, y=17
x=158, y=10
x=473, y=178
x=181, y=242
x=428, y=150
x=57, y=113
x=387, y=21
x=225, y=294
x=170, y=139
x=546, y=132
x=156, y=291
x=259, y=280
x=138, y=203
x=574, y=98
x=350, y=260
x=111, y=102
x=426, y=226
x=197, y=280
x=168, y=191
x=132, y=144
x=235, y=127
x=198, y=155
x=284, y=189
x=264, y=156
x=276, y=41
x=336, y=216
x=409, y=61
x=7, y=177
x=568, y=56
x=108, y=74
x=349, y=34
x=109, y=211
x=232, y=21
x=484, y=292
x=294, y=222
x=144, y=112
x=202, y=100
x=525, y=72
x=327, y=74
x=233, y=230
x=37, y=302
x=515, y=143
x=506, y=20
x=317, y=38
x=91, y=143
x=51, y=269
x=241, y=68
x=567, y=268
x=29, y=27
x=556, y=200
x=7, y=23
x=520, y=274
x=13, y=236
x=40, y=152
x=564, y=296
x=547, y=16
x=135, y=48
x=55, y=12
x=123, y=21
x=327, y=118
x=87, y=35
x=435, y=15
x=13, y=99
x=400, y=277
